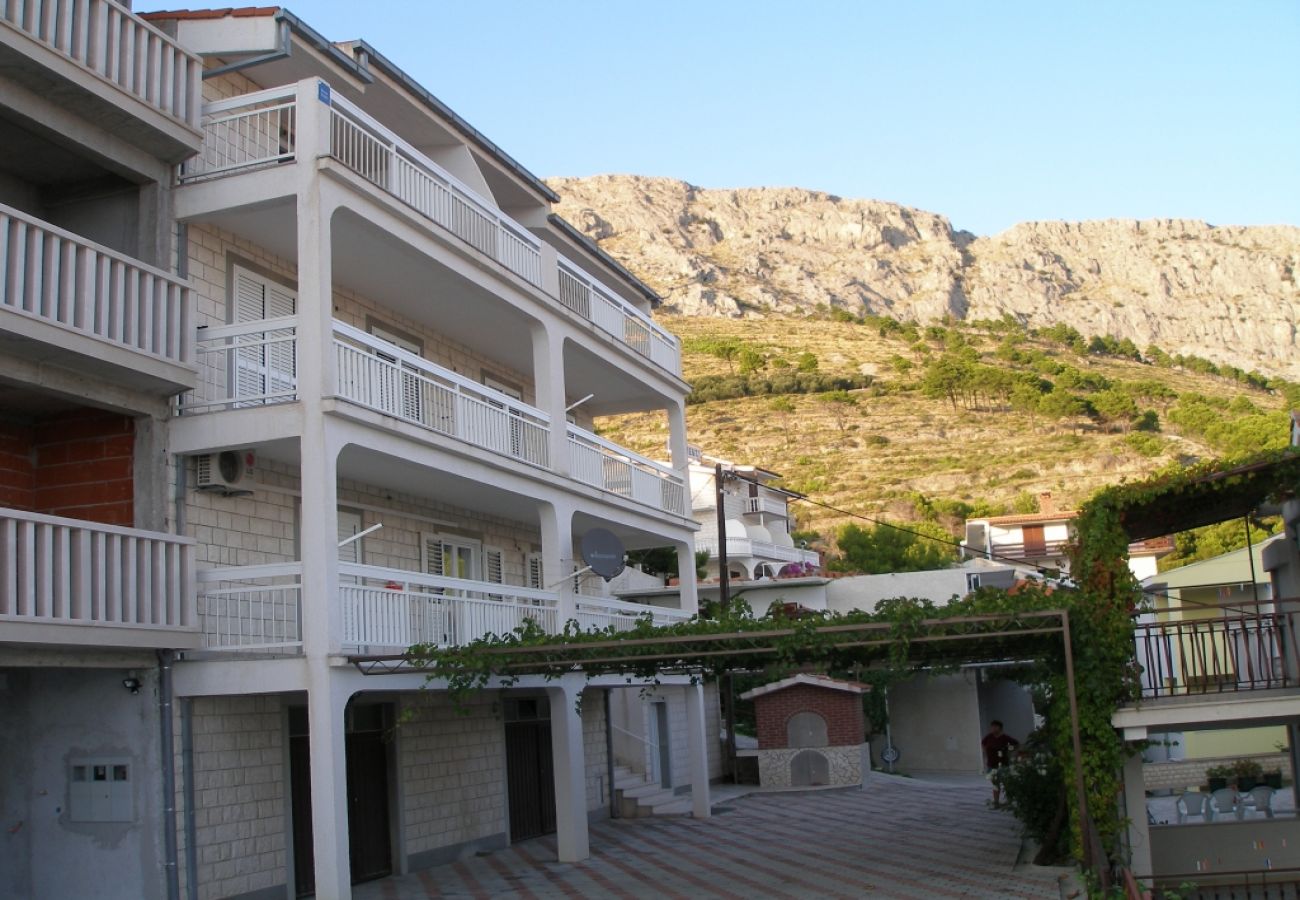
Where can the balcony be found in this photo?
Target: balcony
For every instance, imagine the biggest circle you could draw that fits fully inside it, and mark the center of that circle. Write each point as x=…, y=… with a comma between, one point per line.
x=1252, y=650
x=742, y=547
x=107, y=65
x=253, y=609
x=600, y=463
x=254, y=131
x=767, y=505
x=255, y=363
x=72, y=582
x=83, y=306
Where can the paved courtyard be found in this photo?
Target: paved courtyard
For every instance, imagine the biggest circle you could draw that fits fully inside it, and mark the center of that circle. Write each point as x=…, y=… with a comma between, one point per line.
x=897, y=838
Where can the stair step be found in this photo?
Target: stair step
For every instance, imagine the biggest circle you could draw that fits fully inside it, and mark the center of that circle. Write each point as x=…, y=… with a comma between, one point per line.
x=680, y=806
x=629, y=782
x=643, y=791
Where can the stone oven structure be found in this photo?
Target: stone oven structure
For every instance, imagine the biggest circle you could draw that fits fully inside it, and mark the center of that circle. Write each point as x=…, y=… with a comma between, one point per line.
x=810, y=732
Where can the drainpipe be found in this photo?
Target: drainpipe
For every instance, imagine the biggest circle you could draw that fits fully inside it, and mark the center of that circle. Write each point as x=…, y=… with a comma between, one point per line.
x=167, y=750
x=609, y=753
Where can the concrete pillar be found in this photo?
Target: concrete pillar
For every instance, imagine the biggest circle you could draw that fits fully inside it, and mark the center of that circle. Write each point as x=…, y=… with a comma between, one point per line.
x=697, y=749
x=148, y=458
x=326, y=706
x=689, y=597
x=677, y=441
x=548, y=376
x=1135, y=801
x=571, y=839
x=556, y=521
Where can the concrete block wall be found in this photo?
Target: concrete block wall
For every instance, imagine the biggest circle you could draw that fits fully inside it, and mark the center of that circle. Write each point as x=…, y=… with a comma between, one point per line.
x=595, y=749
x=452, y=768
x=240, y=795
x=251, y=530
x=1177, y=775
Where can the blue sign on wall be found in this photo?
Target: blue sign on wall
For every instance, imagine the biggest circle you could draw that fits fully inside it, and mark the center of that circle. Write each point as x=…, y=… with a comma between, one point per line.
x=323, y=92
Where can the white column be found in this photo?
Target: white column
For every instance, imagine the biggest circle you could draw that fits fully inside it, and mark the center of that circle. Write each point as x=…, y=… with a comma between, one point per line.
x=1135, y=801
x=571, y=839
x=677, y=442
x=698, y=750
x=689, y=597
x=556, y=521
x=326, y=703
x=548, y=376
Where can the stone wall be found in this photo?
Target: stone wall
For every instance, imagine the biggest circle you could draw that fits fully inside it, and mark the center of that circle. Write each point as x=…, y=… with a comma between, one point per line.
x=1184, y=773
x=844, y=765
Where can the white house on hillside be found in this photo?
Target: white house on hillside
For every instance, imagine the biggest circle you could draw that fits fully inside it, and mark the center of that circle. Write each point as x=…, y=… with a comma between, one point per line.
x=332, y=366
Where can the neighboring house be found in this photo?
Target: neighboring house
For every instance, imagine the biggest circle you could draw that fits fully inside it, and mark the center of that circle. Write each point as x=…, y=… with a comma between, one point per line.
x=1041, y=540
x=301, y=370
x=1229, y=667
x=757, y=520
x=1202, y=591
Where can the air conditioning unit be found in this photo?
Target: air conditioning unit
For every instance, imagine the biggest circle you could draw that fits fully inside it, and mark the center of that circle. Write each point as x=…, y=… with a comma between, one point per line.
x=227, y=472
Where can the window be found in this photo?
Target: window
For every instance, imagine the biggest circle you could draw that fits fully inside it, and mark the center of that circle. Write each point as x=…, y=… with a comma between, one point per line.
x=266, y=366
x=99, y=790
x=533, y=568
x=410, y=400
x=450, y=556
x=516, y=439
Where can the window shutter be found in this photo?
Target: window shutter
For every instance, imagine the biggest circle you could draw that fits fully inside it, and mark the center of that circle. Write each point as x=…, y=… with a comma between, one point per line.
x=534, y=571
x=264, y=368
x=494, y=565
x=433, y=555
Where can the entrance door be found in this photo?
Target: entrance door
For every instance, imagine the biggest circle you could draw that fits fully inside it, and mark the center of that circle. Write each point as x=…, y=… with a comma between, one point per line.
x=660, y=749
x=530, y=772
x=369, y=835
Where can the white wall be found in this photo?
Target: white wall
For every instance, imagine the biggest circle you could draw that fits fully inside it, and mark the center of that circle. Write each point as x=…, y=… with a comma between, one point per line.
x=935, y=724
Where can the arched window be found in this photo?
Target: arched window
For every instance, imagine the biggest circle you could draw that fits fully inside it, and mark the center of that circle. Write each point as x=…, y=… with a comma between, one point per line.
x=809, y=768
x=806, y=729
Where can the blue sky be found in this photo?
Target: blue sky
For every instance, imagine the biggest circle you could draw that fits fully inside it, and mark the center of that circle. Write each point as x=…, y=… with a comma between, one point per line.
x=990, y=113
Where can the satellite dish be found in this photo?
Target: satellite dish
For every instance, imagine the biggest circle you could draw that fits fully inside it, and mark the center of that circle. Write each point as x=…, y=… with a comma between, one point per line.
x=603, y=552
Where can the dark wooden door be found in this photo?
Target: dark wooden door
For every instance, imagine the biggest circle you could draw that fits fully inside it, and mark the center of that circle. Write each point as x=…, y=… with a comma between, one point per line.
x=304, y=864
x=1035, y=543
x=530, y=770
x=370, y=849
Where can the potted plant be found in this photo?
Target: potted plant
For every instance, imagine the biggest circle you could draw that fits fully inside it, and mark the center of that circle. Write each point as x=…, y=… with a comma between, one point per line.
x=1216, y=777
x=1248, y=773
x=1273, y=779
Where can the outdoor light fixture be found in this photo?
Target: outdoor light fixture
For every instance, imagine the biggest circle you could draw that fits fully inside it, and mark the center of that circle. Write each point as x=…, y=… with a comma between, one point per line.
x=132, y=684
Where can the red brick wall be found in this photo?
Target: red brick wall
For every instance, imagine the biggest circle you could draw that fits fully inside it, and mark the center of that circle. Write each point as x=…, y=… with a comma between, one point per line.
x=841, y=710
x=76, y=464
x=17, y=474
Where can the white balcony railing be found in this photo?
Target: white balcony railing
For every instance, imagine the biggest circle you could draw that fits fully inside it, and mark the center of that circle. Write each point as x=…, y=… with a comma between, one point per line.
x=257, y=609
x=598, y=462
x=382, y=377
x=774, y=506
x=261, y=129
x=68, y=571
x=108, y=39
x=252, y=608
x=54, y=276
x=604, y=613
x=607, y=311
x=395, y=608
x=738, y=547
x=249, y=364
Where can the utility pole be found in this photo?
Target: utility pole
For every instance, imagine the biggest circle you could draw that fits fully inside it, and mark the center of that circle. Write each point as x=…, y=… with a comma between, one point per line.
x=724, y=606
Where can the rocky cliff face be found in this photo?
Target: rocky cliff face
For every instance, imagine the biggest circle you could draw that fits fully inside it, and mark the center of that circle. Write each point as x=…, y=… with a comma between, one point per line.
x=1227, y=293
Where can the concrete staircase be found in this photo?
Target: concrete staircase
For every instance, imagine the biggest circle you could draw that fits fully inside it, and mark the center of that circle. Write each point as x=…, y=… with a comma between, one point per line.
x=637, y=797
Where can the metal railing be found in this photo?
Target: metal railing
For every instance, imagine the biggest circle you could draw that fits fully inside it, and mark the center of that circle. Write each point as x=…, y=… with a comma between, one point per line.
x=109, y=40
x=603, y=464
x=1258, y=884
x=55, y=276
x=395, y=608
x=261, y=129
x=249, y=364
x=375, y=374
x=69, y=571
x=765, y=503
x=603, y=613
x=252, y=608
x=1250, y=650
x=596, y=303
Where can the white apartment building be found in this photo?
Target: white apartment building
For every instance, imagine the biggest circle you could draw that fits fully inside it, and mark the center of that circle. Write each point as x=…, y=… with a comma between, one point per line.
x=351, y=364
x=757, y=519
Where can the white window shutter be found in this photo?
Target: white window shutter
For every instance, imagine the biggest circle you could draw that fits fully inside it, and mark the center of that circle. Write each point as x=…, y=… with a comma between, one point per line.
x=494, y=565
x=266, y=368
x=433, y=555
x=534, y=571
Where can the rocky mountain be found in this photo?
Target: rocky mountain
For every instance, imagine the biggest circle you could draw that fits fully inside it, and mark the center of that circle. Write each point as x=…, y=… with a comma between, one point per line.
x=1226, y=293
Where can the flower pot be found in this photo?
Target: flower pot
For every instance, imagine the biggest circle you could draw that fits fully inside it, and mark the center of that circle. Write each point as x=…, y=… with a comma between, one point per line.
x=1273, y=779
x=1216, y=784
x=1246, y=782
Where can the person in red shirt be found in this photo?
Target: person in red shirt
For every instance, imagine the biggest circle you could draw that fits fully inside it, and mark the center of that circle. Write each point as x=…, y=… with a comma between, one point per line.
x=997, y=753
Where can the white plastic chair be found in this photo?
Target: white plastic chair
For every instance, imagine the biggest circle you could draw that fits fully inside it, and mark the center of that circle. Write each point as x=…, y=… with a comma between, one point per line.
x=1194, y=803
x=1225, y=800
x=1261, y=799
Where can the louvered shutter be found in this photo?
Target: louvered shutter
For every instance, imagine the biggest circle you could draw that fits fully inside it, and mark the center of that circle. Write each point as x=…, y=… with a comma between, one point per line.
x=494, y=566
x=534, y=571
x=281, y=356
x=263, y=369
x=434, y=555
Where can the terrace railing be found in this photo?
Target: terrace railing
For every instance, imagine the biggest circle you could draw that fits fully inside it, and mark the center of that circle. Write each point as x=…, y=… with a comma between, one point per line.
x=1241, y=651
x=252, y=608
x=596, y=303
x=109, y=40
x=248, y=364
x=606, y=465
x=54, y=276
x=57, y=570
x=377, y=375
x=602, y=613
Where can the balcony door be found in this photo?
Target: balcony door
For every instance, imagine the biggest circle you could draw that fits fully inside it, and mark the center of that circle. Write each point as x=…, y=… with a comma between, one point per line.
x=515, y=445
x=404, y=399
x=265, y=364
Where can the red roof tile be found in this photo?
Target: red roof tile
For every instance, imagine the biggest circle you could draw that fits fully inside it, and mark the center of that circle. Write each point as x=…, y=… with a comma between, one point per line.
x=234, y=12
